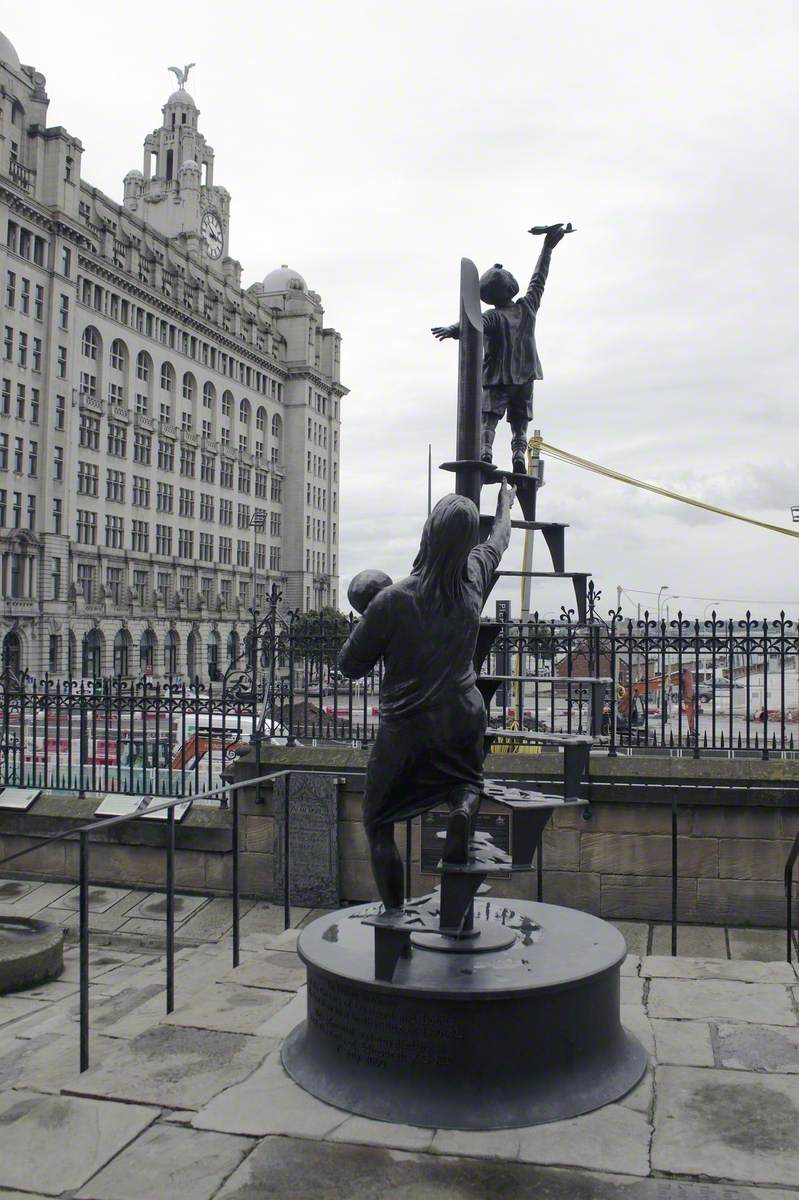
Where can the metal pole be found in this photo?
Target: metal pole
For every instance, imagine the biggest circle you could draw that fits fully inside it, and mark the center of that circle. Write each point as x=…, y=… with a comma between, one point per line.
x=408, y=849
x=470, y=361
x=170, y=911
x=286, y=897
x=83, y=909
x=235, y=853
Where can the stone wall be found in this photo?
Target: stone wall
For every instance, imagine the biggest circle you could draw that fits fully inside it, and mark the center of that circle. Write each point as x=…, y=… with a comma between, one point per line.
x=736, y=823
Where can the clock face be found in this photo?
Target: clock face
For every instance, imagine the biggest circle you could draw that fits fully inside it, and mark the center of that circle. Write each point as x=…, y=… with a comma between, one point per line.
x=211, y=231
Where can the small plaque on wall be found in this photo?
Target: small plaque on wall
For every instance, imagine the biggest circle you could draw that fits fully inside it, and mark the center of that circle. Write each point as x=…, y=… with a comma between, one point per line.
x=125, y=804
x=19, y=798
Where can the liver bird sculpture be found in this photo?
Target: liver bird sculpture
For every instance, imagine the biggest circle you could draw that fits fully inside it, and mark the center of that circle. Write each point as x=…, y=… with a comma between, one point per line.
x=183, y=75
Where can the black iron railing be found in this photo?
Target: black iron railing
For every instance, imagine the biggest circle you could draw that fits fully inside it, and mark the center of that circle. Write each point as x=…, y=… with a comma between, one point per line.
x=791, y=903
x=696, y=687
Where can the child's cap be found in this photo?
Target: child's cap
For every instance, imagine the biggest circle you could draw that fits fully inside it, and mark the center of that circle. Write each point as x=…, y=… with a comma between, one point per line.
x=497, y=286
x=365, y=586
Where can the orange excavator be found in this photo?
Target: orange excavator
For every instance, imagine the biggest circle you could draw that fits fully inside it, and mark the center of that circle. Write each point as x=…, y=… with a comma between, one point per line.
x=632, y=698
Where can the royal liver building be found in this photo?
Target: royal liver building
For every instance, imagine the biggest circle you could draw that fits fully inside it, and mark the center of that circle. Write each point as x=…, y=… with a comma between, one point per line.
x=169, y=441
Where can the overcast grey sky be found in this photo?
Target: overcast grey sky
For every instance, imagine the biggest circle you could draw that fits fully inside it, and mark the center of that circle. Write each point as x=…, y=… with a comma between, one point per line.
x=370, y=145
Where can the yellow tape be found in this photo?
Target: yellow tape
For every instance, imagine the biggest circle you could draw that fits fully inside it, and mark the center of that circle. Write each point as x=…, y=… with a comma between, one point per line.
x=586, y=465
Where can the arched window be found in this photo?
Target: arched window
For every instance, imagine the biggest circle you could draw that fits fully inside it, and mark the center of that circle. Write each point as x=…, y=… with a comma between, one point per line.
x=147, y=647
x=12, y=654
x=209, y=395
x=171, y=653
x=191, y=656
x=122, y=642
x=277, y=437
x=119, y=355
x=92, y=654
x=167, y=377
x=260, y=419
x=90, y=343
x=143, y=366
x=233, y=646
x=277, y=426
x=189, y=386
x=244, y=412
x=227, y=404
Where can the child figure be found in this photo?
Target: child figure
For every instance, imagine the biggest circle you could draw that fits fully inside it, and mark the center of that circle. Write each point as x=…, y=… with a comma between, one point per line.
x=510, y=359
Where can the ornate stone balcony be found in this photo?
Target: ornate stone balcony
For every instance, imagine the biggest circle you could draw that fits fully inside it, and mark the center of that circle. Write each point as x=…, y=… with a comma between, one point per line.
x=24, y=177
x=118, y=412
x=142, y=421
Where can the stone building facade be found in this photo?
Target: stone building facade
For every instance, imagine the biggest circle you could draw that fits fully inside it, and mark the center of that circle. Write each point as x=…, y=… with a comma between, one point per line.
x=169, y=441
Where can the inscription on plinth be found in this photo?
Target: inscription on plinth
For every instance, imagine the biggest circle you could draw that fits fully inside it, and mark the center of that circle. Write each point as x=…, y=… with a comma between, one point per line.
x=313, y=839
x=371, y=1027
x=434, y=823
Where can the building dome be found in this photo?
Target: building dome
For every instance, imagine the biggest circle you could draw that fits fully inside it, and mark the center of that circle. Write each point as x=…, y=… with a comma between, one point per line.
x=181, y=96
x=134, y=174
x=284, y=279
x=8, y=54
x=189, y=165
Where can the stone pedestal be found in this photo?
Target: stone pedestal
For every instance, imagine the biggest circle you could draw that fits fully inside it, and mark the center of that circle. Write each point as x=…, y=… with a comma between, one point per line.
x=519, y=1036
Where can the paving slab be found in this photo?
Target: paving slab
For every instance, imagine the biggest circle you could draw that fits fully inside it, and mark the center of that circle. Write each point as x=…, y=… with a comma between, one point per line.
x=48, y=1062
x=720, y=1000
x=275, y=969
x=657, y=967
x=101, y=962
x=727, y=1125
x=766, y=945
x=50, y=990
x=322, y=1170
x=635, y=934
x=153, y=907
x=285, y=1019
x=269, y=918
x=683, y=1043
x=641, y=1097
x=631, y=966
x=286, y=939
x=632, y=989
x=229, y=1007
x=360, y=1131
x=614, y=1139
x=174, y=1067
x=269, y=1102
x=15, y=1006
x=483, y=1143
x=12, y=890
x=758, y=1048
x=41, y=896
x=695, y=941
x=100, y=898
x=167, y=1160
x=80, y=1137
x=214, y=919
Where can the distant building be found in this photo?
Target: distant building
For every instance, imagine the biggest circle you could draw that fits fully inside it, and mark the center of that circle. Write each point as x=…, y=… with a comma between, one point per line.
x=149, y=407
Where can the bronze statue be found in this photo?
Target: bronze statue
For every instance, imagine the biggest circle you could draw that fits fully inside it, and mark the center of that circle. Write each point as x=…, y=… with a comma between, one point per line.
x=510, y=360
x=429, y=745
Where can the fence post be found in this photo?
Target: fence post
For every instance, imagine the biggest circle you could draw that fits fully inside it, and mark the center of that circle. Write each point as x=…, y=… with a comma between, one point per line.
x=673, y=873
x=170, y=911
x=234, y=837
x=286, y=896
x=83, y=909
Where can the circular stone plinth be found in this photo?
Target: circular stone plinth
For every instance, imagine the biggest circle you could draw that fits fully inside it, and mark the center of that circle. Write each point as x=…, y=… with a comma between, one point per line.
x=31, y=952
x=521, y=1036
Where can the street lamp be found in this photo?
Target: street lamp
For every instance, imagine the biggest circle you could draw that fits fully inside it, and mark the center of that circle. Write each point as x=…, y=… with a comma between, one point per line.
x=660, y=593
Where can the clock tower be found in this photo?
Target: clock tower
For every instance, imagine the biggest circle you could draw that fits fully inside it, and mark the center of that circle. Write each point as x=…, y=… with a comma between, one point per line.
x=175, y=193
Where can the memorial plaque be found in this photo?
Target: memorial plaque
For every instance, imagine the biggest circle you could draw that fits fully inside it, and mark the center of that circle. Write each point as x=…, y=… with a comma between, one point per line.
x=128, y=804
x=19, y=798
x=313, y=839
x=434, y=823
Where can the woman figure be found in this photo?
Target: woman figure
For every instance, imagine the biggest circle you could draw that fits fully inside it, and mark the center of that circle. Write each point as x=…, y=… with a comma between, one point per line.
x=429, y=745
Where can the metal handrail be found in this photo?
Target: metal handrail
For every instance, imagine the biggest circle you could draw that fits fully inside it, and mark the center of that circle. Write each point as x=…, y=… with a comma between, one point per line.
x=790, y=939
x=83, y=832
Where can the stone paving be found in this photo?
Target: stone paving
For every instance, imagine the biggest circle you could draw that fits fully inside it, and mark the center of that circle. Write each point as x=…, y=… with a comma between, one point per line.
x=197, y=1104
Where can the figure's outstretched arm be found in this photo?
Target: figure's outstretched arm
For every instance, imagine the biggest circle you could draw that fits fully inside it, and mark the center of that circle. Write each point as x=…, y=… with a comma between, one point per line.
x=536, y=288
x=446, y=331
x=499, y=537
